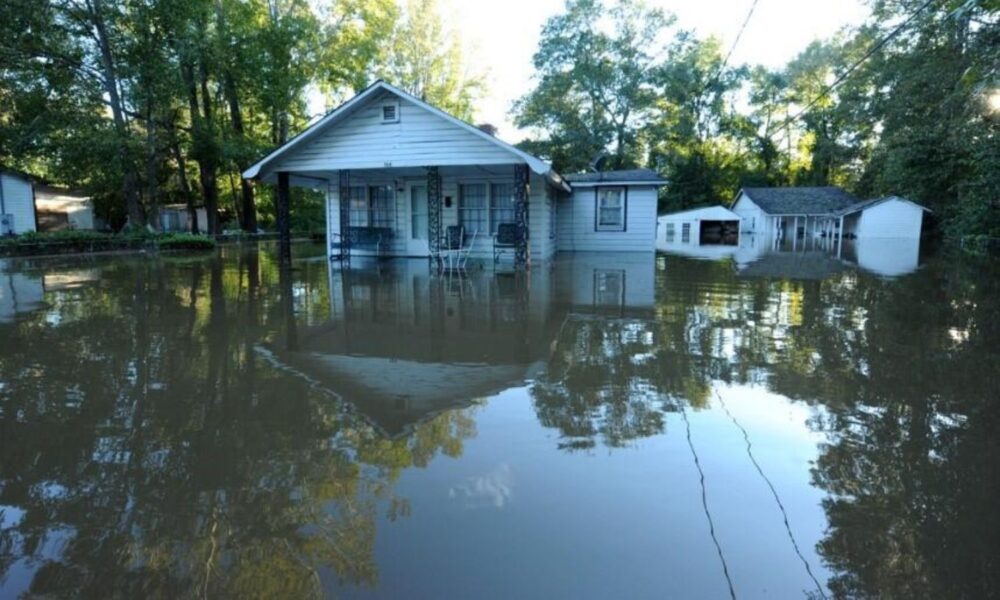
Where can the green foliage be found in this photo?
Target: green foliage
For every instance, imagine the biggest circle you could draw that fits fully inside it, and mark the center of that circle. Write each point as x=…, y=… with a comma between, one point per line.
x=185, y=241
x=75, y=242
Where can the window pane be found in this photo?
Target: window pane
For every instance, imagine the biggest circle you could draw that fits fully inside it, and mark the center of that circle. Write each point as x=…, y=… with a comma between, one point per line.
x=472, y=207
x=383, y=206
x=358, y=206
x=610, y=209
x=501, y=204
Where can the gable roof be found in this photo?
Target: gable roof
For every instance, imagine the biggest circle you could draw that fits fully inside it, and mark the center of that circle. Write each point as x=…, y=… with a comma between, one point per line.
x=859, y=206
x=800, y=200
x=351, y=106
x=624, y=177
x=20, y=174
x=708, y=213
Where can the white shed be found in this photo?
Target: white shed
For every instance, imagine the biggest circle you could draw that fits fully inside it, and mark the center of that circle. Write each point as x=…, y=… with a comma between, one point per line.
x=891, y=217
x=699, y=226
x=17, y=203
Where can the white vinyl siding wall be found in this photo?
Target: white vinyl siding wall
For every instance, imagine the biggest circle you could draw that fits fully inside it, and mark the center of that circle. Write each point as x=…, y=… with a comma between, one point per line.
x=19, y=201
x=753, y=219
x=577, y=222
x=890, y=219
x=418, y=139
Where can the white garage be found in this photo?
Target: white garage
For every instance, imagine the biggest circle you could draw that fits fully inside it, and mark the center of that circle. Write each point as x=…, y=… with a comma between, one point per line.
x=711, y=225
x=892, y=217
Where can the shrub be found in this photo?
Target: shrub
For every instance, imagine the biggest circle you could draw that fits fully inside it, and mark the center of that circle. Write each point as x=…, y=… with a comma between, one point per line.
x=185, y=241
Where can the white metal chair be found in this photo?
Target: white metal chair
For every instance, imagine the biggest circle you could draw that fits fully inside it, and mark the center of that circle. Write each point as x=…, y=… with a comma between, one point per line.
x=456, y=248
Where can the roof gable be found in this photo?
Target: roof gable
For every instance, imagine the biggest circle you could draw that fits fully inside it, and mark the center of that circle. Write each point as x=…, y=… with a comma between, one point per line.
x=353, y=136
x=624, y=177
x=800, y=200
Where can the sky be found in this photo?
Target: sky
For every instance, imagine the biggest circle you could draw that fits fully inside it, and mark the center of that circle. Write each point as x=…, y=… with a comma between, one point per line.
x=503, y=36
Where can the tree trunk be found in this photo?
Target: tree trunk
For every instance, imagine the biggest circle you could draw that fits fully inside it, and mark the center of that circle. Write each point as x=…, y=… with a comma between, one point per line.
x=130, y=192
x=206, y=170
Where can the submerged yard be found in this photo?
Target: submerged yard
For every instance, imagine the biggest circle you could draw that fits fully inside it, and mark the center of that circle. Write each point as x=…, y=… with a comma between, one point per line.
x=604, y=426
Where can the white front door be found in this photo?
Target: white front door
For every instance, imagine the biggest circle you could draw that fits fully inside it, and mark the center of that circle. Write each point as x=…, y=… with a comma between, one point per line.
x=416, y=234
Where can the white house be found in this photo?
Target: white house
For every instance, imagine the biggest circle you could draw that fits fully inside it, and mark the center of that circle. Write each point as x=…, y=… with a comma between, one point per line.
x=699, y=226
x=59, y=208
x=17, y=203
x=403, y=178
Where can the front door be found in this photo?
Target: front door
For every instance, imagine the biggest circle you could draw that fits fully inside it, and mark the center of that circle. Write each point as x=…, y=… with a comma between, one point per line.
x=416, y=235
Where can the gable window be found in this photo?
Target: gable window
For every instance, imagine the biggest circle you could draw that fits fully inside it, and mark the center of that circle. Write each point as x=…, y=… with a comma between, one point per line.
x=611, y=209
x=472, y=208
x=501, y=204
x=390, y=112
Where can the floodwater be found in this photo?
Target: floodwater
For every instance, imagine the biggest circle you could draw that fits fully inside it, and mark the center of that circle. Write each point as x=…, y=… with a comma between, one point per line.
x=788, y=425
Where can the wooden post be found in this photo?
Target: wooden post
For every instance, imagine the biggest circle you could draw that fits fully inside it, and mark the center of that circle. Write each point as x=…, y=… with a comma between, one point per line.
x=284, y=221
x=522, y=255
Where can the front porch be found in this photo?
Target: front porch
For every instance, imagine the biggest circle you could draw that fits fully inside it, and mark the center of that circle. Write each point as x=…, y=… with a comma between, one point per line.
x=424, y=212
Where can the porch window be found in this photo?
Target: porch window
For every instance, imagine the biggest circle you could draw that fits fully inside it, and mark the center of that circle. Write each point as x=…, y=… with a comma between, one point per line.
x=611, y=209
x=383, y=206
x=472, y=208
x=358, y=206
x=501, y=204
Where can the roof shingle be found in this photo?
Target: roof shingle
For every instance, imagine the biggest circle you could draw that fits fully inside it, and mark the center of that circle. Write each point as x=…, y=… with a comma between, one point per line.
x=801, y=200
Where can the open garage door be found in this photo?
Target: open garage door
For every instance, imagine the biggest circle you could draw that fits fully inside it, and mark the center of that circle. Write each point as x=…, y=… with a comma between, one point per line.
x=724, y=233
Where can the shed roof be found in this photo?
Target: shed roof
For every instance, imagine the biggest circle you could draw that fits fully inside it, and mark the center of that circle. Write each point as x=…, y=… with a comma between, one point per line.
x=623, y=177
x=800, y=200
x=860, y=206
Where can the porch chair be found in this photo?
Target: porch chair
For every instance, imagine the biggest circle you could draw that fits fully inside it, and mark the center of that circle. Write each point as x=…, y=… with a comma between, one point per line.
x=454, y=248
x=505, y=240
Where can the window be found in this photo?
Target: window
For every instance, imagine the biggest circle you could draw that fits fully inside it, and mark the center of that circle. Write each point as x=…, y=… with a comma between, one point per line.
x=358, y=206
x=501, y=204
x=685, y=232
x=670, y=232
x=382, y=206
x=372, y=207
x=472, y=208
x=390, y=112
x=610, y=209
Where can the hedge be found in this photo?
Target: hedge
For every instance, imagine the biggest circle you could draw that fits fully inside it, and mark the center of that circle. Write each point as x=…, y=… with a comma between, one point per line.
x=74, y=242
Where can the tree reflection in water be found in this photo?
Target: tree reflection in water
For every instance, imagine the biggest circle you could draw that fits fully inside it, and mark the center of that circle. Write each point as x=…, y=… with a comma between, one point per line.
x=148, y=451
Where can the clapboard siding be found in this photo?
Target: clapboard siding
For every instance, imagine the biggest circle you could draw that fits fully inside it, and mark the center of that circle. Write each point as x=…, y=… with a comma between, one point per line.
x=19, y=201
x=576, y=223
x=891, y=219
x=419, y=138
x=753, y=219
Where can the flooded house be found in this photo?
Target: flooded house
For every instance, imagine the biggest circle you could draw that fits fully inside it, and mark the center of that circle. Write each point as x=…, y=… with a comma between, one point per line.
x=17, y=202
x=404, y=178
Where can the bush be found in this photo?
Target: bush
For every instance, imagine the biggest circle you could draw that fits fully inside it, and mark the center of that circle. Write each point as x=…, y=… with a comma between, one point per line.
x=185, y=241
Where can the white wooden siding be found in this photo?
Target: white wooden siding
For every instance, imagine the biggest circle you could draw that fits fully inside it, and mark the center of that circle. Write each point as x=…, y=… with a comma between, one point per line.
x=753, y=219
x=19, y=201
x=420, y=138
x=890, y=219
x=576, y=223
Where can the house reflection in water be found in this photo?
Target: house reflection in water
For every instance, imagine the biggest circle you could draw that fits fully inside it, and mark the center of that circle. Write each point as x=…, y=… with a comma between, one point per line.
x=403, y=343
x=763, y=255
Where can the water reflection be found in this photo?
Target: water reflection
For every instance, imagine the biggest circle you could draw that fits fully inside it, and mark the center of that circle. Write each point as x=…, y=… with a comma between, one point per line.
x=605, y=425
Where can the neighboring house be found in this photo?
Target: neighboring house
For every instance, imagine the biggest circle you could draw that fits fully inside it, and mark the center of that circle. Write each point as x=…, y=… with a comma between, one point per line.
x=400, y=174
x=177, y=217
x=698, y=226
x=59, y=208
x=797, y=212
x=17, y=203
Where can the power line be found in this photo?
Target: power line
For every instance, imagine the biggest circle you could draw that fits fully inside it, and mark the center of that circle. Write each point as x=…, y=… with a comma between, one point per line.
x=843, y=77
x=736, y=41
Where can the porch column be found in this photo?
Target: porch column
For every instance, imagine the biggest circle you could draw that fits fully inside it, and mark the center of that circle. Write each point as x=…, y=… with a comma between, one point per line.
x=434, y=224
x=284, y=220
x=344, y=196
x=522, y=255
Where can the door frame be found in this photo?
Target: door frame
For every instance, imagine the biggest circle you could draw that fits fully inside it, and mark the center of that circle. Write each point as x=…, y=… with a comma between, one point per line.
x=415, y=247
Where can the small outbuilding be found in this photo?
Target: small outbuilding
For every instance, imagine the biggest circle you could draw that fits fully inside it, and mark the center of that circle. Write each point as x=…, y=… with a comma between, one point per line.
x=177, y=218
x=59, y=208
x=710, y=225
x=892, y=217
x=17, y=202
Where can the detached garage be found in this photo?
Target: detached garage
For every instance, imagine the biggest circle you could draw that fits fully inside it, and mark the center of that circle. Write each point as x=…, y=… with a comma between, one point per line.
x=891, y=217
x=713, y=225
x=17, y=203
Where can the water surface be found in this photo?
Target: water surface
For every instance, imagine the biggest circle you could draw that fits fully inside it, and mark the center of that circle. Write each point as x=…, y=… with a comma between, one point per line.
x=789, y=425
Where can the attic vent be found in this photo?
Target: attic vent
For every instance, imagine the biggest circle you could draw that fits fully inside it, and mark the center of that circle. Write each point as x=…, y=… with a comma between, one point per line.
x=390, y=112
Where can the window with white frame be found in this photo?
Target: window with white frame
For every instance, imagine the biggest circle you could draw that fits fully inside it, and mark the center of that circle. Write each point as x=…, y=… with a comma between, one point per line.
x=685, y=232
x=670, y=232
x=501, y=204
x=473, y=212
x=611, y=209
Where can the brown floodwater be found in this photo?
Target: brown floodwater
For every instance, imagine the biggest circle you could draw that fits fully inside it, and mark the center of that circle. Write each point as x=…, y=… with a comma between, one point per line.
x=755, y=422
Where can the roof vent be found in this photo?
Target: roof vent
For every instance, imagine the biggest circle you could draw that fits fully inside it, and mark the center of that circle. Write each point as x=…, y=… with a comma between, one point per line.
x=488, y=128
x=390, y=112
